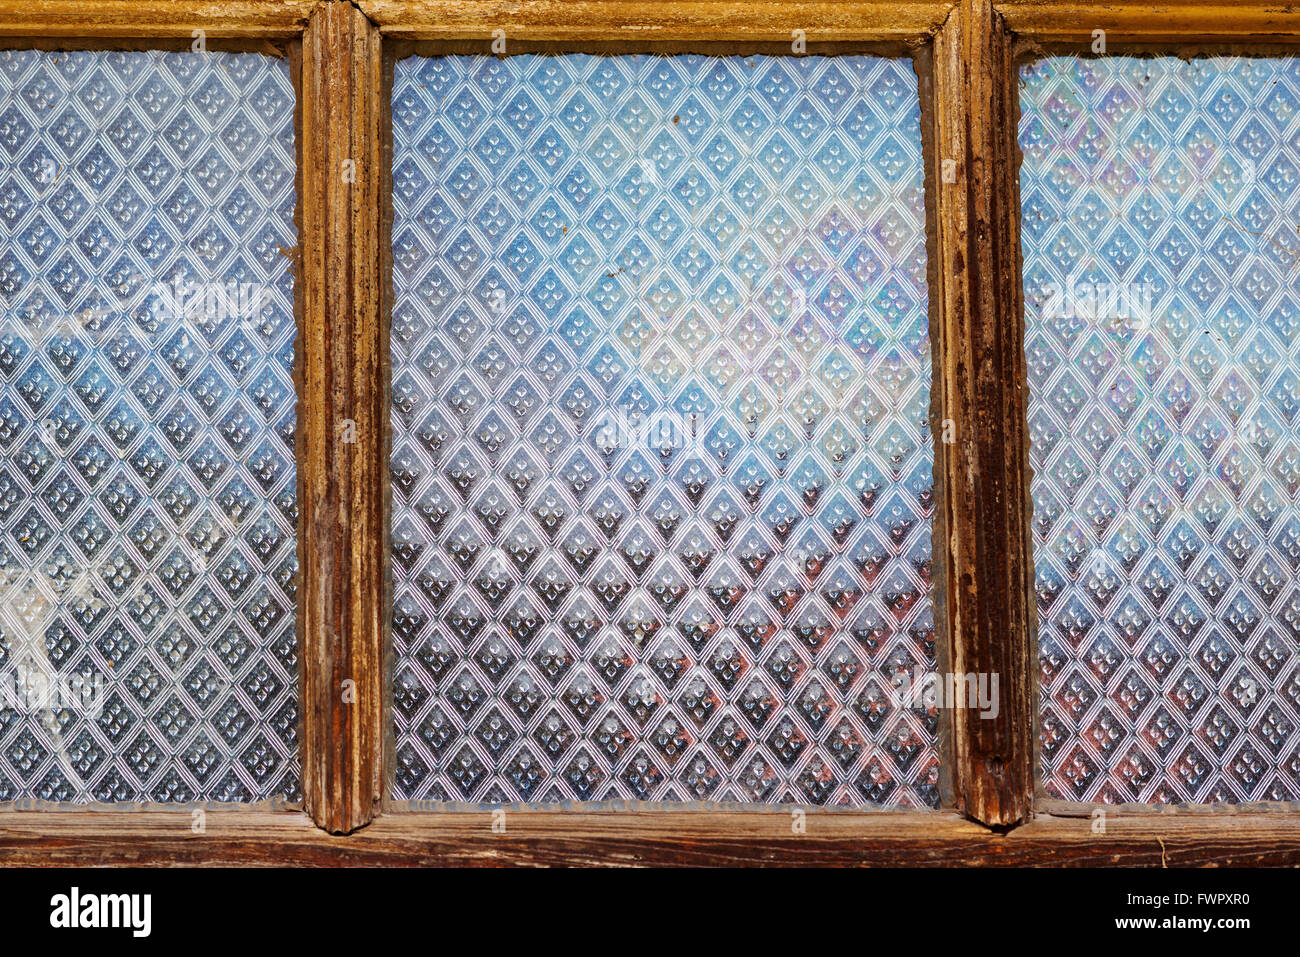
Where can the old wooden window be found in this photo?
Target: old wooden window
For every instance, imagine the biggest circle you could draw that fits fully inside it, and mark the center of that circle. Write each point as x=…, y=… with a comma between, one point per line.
x=852, y=170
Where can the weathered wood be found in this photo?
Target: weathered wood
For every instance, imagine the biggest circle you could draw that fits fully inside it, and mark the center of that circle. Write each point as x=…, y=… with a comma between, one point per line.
x=1130, y=20
x=631, y=838
x=342, y=468
x=1168, y=840
x=343, y=529
x=683, y=20
x=982, y=534
x=155, y=18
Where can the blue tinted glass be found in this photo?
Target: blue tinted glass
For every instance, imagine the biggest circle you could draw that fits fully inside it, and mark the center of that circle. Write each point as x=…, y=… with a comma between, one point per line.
x=147, y=482
x=661, y=469
x=1163, y=344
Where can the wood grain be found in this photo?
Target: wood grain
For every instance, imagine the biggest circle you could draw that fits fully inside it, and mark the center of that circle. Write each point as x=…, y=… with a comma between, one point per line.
x=155, y=18
x=683, y=20
x=639, y=838
x=342, y=465
x=343, y=531
x=1130, y=20
x=982, y=531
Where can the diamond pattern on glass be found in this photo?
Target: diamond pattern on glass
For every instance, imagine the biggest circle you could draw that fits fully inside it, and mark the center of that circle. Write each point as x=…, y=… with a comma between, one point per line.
x=147, y=480
x=1163, y=343
x=662, y=479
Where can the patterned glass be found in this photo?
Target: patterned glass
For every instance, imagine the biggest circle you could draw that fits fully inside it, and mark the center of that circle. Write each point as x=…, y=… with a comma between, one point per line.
x=147, y=481
x=1160, y=211
x=662, y=480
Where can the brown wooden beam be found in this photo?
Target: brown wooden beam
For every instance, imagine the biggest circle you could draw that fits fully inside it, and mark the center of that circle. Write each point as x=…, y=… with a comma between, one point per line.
x=632, y=838
x=275, y=19
x=342, y=462
x=979, y=401
x=687, y=21
x=1136, y=20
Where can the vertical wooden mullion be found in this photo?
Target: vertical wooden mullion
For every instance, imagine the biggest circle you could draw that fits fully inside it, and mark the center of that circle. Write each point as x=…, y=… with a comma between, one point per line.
x=340, y=442
x=981, y=393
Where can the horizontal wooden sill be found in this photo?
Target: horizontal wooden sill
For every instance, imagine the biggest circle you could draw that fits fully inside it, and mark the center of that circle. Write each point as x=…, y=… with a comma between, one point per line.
x=629, y=838
x=154, y=18
x=685, y=21
x=1126, y=20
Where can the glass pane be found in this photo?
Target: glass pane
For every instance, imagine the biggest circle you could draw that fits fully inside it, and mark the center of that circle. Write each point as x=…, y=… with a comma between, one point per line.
x=1160, y=251
x=147, y=482
x=661, y=473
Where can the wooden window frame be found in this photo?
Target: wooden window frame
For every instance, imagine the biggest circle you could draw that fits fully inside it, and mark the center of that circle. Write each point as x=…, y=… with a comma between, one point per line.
x=986, y=618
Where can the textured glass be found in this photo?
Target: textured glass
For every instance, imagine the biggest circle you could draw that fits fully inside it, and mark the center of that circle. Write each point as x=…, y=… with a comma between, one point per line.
x=147, y=482
x=662, y=478
x=1163, y=345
